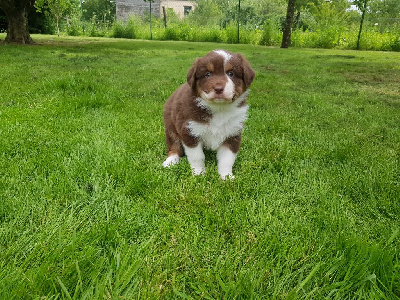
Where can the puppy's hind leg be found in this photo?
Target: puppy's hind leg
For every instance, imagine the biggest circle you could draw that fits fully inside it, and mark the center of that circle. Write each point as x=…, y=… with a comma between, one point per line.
x=174, y=151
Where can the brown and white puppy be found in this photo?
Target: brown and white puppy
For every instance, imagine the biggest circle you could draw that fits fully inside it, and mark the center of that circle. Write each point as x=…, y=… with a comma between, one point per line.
x=209, y=111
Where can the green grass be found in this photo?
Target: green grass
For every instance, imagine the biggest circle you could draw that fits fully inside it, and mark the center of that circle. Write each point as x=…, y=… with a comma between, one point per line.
x=88, y=212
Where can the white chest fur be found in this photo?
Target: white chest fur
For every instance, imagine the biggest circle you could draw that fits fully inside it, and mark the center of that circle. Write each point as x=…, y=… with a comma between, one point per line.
x=226, y=121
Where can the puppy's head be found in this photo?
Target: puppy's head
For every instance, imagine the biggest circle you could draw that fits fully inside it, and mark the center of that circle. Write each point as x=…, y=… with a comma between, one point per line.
x=220, y=76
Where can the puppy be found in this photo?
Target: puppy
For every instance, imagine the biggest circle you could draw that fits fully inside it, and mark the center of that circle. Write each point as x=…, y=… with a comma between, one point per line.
x=209, y=111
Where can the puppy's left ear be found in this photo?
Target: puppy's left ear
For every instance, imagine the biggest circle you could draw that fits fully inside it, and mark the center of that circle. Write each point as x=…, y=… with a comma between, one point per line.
x=248, y=72
x=191, y=75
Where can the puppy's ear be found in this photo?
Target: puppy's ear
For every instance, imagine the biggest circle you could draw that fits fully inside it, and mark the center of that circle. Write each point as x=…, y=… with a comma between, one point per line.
x=191, y=75
x=248, y=72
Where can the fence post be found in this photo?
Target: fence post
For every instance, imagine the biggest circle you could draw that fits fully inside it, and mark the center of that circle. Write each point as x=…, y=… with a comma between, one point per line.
x=238, y=25
x=165, y=16
x=151, y=29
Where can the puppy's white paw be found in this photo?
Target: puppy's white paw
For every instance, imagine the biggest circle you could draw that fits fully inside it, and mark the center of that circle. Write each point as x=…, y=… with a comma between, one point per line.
x=227, y=176
x=198, y=171
x=171, y=160
x=226, y=159
x=195, y=156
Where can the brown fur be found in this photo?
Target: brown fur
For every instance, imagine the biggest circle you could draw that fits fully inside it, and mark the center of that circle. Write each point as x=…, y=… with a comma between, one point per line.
x=183, y=107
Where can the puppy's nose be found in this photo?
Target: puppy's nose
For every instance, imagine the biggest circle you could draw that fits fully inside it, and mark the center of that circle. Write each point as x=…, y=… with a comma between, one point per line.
x=218, y=89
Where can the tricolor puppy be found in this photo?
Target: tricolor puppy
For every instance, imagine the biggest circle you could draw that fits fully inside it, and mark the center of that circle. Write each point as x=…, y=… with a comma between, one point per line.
x=209, y=111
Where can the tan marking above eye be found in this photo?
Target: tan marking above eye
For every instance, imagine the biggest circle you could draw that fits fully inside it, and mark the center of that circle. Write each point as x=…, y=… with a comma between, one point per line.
x=210, y=67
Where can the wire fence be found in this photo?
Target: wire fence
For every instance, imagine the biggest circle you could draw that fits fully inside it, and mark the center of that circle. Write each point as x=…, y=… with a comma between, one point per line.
x=178, y=16
x=252, y=22
x=260, y=22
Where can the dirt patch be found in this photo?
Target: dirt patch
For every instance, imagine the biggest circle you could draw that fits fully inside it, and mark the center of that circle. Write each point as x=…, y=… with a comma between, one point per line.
x=374, y=79
x=334, y=56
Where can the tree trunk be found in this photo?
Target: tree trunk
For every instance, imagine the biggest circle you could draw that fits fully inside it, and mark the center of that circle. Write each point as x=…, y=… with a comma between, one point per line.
x=296, y=21
x=58, y=27
x=165, y=16
x=287, y=30
x=17, y=20
x=364, y=9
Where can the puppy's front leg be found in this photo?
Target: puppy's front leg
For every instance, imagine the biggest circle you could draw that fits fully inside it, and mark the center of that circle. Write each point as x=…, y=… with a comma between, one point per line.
x=195, y=156
x=226, y=158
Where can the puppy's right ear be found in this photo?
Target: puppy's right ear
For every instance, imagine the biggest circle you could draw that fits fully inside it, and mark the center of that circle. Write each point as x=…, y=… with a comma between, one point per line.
x=191, y=75
x=248, y=72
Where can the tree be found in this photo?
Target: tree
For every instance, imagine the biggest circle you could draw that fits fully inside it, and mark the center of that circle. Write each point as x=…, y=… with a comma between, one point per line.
x=17, y=20
x=287, y=30
x=385, y=14
x=362, y=6
x=104, y=9
x=58, y=8
x=206, y=13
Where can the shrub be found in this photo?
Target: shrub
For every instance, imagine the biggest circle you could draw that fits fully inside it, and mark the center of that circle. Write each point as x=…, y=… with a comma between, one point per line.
x=212, y=35
x=171, y=33
x=395, y=43
x=92, y=28
x=121, y=30
x=118, y=29
x=270, y=35
x=328, y=37
x=249, y=36
x=231, y=34
x=74, y=28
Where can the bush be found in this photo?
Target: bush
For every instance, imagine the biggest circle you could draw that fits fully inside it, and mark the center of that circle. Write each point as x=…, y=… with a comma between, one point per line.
x=212, y=35
x=270, y=35
x=93, y=29
x=178, y=32
x=326, y=36
x=74, y=28
x=121, y=30
x=171, y=33
x=395, y=43
x=231, y=34
x=250, y=36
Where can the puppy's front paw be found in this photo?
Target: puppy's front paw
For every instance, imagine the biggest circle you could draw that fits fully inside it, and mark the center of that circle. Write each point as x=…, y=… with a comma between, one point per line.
x=198, y=171
x=227, y=176
x=171, y=160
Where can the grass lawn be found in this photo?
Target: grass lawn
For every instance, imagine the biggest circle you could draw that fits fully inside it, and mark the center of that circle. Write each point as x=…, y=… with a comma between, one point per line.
x=88, y=212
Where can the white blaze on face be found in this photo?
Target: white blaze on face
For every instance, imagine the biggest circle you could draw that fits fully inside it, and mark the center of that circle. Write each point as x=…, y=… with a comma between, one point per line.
x=229, y=89
x=225, y=55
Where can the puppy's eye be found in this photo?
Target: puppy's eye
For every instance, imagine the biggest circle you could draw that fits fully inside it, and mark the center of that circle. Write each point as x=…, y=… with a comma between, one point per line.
x=230, y=74
x=208, y=74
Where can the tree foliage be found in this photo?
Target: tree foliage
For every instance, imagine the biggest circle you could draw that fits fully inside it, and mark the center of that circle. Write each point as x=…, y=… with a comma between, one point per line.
x=384, y=14
x=103, y=9
x=58, y=8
